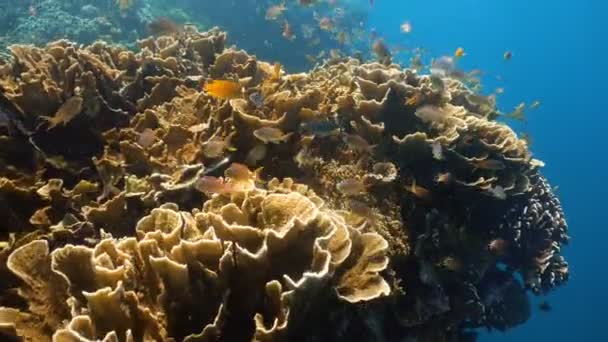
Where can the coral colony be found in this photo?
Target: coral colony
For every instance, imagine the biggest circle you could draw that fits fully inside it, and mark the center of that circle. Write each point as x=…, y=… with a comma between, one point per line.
x=188, y=191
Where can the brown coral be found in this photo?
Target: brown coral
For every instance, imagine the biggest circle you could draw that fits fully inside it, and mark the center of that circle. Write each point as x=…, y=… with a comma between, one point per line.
x=102, y=158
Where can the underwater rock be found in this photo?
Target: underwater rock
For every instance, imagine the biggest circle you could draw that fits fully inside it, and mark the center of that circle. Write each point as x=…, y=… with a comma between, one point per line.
x=382, y=206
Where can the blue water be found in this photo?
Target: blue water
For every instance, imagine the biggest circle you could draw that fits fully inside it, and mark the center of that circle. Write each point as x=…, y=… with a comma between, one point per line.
x=559, y=50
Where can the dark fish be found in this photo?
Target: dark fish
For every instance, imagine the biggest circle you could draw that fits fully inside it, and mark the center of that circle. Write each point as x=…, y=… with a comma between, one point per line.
x=545, y=306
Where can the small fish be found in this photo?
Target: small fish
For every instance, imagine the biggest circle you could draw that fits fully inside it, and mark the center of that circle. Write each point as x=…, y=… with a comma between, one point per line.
x=507, y=55
x=215, y=147
x=274, y=12
x=241, y=172
x=257, y=99
x=223, y=89
x=357, y=143
x=418, y=191
x=326, y=24
x=406, y=27
x=518, y=113
x=321, y=128
x=271, y=135
x=212, y=185
x=545, y=306
x=288, y=31
x=380, y=49
x=311, y=58
x=459, y=53
x=32, y=11
x=443, y=66
x=499, y=90
x=430, y=113
x=489, y=164
x=451, y=263
x=306, y=2
x=437, y=83
x=257, y=153
x=413, y=100
x=124, y=5
x=359, y=208
x=307, y=31
x=351, y=187
x=437, y=150
x=535, y=104
x=444, y=178
x=164, y=26
x=498, y=246
x=68, y=111
x=146, y=138
x=497, y=192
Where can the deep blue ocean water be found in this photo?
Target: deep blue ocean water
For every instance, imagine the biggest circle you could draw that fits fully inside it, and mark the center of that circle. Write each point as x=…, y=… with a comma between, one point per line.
x=559, y=57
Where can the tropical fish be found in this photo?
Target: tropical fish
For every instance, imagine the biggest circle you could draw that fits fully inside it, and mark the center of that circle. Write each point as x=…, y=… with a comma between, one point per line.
x=164, y=26
x=240, y=172
x=223, y=89
x=459, y=53
x=545, y=306
x=443, y=66
x=68, y=111
x=418, y=191
x=451, y=263
x=498, y=246
x=212, y=185
x=437, y=150
x=351, y=187
x=124, y=5
x=326, y=24
x=359, y=208
x=321, y=128
x=443, y=178
x=271, y=135
x=380, y=49
x=535, y=104
x=257, y=99
x=413, y=100
x=215, y=147
x=406, y=27
x=498, y=192
x=306, y=2
x=518, y=113
x=146, y=138
x=507, y=55
x=273, y=12
x=357, y=143
x=288, y=31
x=430, y=113
x=257, y=153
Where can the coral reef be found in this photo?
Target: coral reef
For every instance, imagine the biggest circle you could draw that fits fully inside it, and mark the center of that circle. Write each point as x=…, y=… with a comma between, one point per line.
x=353, y=202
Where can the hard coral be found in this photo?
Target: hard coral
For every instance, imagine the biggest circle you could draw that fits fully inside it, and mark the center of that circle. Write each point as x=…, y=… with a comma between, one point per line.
x=138, y=209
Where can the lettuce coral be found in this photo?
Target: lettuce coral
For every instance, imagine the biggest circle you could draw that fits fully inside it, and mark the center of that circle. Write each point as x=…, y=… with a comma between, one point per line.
x=120, y=224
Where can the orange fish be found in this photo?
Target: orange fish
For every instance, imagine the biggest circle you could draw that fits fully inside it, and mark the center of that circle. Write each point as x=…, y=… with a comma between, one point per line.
x=413, y=100
x=419, y=191
x=212, y=185
x=223, y=89
x=459, y=53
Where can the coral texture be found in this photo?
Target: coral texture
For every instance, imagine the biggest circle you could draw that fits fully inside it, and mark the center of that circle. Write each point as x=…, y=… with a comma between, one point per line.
x=353, y=202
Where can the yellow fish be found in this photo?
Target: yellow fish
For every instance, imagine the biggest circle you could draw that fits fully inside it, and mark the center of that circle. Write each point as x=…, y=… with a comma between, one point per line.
x=459, y=53
x=223, y=89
